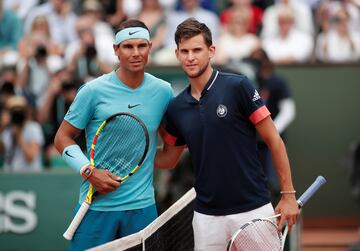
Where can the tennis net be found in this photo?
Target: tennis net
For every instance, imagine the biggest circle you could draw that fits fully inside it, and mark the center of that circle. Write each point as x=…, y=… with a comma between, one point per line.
x=172, y=230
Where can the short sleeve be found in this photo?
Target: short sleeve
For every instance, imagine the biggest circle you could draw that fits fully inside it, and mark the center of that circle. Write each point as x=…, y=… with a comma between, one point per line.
x=251, y=103
x=81, y=110
x=169, y=133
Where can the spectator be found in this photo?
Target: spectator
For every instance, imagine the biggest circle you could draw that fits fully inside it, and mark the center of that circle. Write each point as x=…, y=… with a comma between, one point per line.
x=275, y=92
x=114, y=13
x=20, y=7
x=191, y=8
x=33, y=72
x=236, y=42
x=11, y=31
x=83, y=57
x=339, y=44
x=302, y=15
x=255, y=15
x=61, y=19
x=21, y=138
x=284, y=48
x=39, y=28
x=104, y=35
x=153, y=15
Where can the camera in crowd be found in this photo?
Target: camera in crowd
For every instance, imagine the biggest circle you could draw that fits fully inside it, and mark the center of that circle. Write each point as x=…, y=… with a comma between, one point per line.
x=90, y=52
x=17, y=106
x=41, y=51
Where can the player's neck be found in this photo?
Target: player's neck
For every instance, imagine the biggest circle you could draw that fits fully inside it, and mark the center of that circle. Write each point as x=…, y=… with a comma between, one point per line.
x=130, y=78
x=198, y=83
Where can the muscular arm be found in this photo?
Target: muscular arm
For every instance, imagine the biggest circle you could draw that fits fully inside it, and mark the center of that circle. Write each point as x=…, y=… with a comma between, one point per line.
x=287, y=206
x=168, y=156
x=102, y=180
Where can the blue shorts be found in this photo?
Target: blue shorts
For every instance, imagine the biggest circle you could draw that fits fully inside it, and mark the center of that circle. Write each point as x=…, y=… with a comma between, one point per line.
x=99, y=227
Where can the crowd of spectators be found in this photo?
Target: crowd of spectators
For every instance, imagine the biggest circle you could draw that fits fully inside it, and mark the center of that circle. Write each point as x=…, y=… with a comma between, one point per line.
x=49, y=48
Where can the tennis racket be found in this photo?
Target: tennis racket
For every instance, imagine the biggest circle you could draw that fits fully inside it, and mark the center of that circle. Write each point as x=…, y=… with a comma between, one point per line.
x=262, y=234
x=120, y=145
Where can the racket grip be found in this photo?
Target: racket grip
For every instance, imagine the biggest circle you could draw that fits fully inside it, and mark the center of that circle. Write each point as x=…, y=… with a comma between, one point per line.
x=320, y=180
x=69, y=233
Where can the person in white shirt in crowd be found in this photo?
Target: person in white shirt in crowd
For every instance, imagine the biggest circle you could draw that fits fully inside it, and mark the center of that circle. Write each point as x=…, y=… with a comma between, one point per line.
x=83, y=56
x=61, y=19
x=190, y=8
x=290, y=45
x=302, y=15
x=339, y=44
x=236, y=43
x=93, y=13
x=21, y=138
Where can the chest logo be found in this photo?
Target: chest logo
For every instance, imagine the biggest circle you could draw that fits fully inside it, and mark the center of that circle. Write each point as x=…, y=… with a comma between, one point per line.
x=221, y=111
x=132, y=106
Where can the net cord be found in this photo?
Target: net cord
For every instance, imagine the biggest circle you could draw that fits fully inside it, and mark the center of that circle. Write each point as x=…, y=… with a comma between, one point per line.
x=140, y=237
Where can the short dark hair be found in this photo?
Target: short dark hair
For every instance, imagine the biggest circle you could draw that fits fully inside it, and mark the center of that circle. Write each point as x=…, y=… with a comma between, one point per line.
x=132, y=23
x=191, y=28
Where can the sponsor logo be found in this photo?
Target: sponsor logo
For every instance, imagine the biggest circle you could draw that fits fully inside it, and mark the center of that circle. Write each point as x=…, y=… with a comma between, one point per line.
x=132, y=106
x=256, y=96
x=17, y=212
x=68, y=154
x=132, y=33
x=221, y=111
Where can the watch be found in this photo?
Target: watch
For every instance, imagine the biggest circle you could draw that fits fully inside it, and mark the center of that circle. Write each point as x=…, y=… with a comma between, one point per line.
x=88, y=171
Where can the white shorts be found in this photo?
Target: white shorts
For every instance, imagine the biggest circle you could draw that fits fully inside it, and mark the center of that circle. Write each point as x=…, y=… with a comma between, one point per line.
x=212, y=233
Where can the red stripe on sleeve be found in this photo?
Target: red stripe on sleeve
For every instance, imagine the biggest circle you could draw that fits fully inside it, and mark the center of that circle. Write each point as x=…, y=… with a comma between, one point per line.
x=259, y=115
x=167, y=137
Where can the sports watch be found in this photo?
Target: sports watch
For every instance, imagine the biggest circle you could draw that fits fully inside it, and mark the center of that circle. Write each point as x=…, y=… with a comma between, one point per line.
x=88, y=171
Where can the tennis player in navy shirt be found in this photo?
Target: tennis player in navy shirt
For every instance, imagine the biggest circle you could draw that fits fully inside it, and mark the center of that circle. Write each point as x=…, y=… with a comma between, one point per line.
x=218, y=117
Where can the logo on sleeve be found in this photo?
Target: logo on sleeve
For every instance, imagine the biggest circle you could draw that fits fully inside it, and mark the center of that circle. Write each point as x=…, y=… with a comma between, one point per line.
x=221, y=111
x=68, y=154
x=256, y=96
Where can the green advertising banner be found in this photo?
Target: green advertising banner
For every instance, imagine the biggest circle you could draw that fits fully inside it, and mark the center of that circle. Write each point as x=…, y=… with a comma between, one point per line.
x=35, y=209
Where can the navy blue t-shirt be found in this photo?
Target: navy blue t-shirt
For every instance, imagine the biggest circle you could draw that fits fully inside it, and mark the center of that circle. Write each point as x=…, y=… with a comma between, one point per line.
x=220, y=133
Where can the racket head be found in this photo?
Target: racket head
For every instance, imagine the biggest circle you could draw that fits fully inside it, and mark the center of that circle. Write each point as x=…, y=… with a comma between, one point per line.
x=257, y=235
x=120, y=145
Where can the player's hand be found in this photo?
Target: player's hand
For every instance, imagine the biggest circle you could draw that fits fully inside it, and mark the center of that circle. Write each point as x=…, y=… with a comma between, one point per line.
x=104, y=181
x=289, y=210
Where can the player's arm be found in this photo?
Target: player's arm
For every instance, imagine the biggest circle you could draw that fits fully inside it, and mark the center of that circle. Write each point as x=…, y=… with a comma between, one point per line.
x=287, y=206
x=102, y=180
x=168, y=156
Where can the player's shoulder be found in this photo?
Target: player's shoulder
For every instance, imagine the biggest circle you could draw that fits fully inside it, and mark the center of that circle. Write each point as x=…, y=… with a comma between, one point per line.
x=235, y=83
x=230, y=78
x=96, y=82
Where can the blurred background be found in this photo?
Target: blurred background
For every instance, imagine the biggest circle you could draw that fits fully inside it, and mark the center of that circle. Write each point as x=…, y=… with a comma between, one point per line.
x=302, y=55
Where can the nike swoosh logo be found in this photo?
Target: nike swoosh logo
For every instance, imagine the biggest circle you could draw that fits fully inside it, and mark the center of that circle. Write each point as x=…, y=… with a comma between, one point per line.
x=132, y=33
x=67, y=153
x=132, y=106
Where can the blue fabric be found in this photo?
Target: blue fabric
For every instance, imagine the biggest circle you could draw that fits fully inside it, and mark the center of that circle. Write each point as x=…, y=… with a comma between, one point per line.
x=11, y=30
x=74, y=157
x=222, y=143
x=100, y=227
x=104, y=96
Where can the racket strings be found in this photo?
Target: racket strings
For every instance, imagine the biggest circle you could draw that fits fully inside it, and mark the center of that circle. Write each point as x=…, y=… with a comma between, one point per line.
x=120, y=146
x=260, y=235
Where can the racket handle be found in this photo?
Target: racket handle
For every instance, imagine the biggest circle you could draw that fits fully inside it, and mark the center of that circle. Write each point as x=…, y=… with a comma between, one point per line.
x=320, y=180
x=69, y=233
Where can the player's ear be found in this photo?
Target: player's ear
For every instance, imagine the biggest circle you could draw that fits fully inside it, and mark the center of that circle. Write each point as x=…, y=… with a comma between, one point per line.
x=115, y=47
x=177, y=53
x=212, y=50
